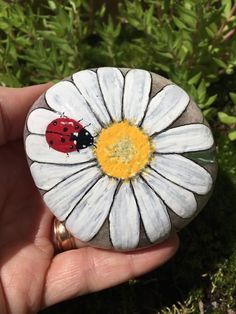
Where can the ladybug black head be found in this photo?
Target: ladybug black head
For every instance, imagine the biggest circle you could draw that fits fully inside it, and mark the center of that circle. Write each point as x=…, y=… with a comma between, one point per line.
x=83, y=140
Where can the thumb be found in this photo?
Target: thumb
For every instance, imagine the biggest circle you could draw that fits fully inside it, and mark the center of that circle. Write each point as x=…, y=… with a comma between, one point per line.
x=14, y=105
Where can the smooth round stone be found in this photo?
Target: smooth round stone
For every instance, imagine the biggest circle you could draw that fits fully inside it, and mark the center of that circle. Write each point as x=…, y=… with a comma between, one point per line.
x=123, y=157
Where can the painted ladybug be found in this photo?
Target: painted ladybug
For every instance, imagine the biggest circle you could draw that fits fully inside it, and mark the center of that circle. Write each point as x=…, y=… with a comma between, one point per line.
x=67, y=135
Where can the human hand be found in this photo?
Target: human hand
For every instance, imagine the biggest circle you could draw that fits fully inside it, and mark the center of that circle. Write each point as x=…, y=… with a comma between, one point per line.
x=31, y=276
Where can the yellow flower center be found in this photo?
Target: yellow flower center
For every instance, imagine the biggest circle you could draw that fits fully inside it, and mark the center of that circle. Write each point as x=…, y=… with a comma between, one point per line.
x=122, y=150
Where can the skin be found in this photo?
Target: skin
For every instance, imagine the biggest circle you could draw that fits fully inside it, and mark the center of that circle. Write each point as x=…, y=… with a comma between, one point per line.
x=32, y=276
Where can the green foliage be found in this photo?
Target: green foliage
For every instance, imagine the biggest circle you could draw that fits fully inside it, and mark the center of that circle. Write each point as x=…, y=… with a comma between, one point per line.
x=230, y=120
x=227, y=119
x=190, y=42
x=186, y=307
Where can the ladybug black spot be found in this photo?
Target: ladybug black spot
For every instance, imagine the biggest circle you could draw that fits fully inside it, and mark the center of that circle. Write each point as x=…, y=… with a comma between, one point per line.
x=65, y=129
x=62, y=140
x=54, y=122
x=51, y=142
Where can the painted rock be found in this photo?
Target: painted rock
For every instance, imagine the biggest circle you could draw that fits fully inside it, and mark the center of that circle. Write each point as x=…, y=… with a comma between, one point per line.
x=123, y=157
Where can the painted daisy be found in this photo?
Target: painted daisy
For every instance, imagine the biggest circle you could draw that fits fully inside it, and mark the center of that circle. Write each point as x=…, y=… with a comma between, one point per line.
x=133, y=171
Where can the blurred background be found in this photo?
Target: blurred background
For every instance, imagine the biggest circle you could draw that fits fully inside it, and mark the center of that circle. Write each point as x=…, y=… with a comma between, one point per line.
x=193, y=43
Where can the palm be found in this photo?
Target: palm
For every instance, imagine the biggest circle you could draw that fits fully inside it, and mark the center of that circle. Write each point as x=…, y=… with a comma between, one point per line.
x=26, y=250
x=31, y=276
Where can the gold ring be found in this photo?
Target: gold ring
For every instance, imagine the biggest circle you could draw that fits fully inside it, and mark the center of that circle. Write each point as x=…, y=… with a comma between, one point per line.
x=62, y=238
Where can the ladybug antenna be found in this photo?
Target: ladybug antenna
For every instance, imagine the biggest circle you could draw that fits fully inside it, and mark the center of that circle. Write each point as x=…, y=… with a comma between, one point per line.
x=87, y=125
x=62, y=114
x=95, y=145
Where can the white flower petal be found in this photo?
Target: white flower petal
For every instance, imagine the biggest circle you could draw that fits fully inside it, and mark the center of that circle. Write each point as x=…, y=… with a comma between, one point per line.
x=165, y=108
x=124, y=219
x=38, y=149
x=87, y=83
x=136, y=95
x=39, y=119
x=48, y=175
x=64, y=98
x=185, y=138
x=181, y=201
x=111, y=82
x=64, y=197
x=153, y=211
x=183, y=171
x=89, y=215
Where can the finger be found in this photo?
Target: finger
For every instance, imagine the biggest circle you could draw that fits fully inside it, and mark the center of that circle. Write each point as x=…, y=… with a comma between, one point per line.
x=3, y=302
x=86, y=270
x=14, y=105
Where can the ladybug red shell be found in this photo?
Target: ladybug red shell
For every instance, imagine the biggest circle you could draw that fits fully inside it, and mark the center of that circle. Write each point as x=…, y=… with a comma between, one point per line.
x=67, y=135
